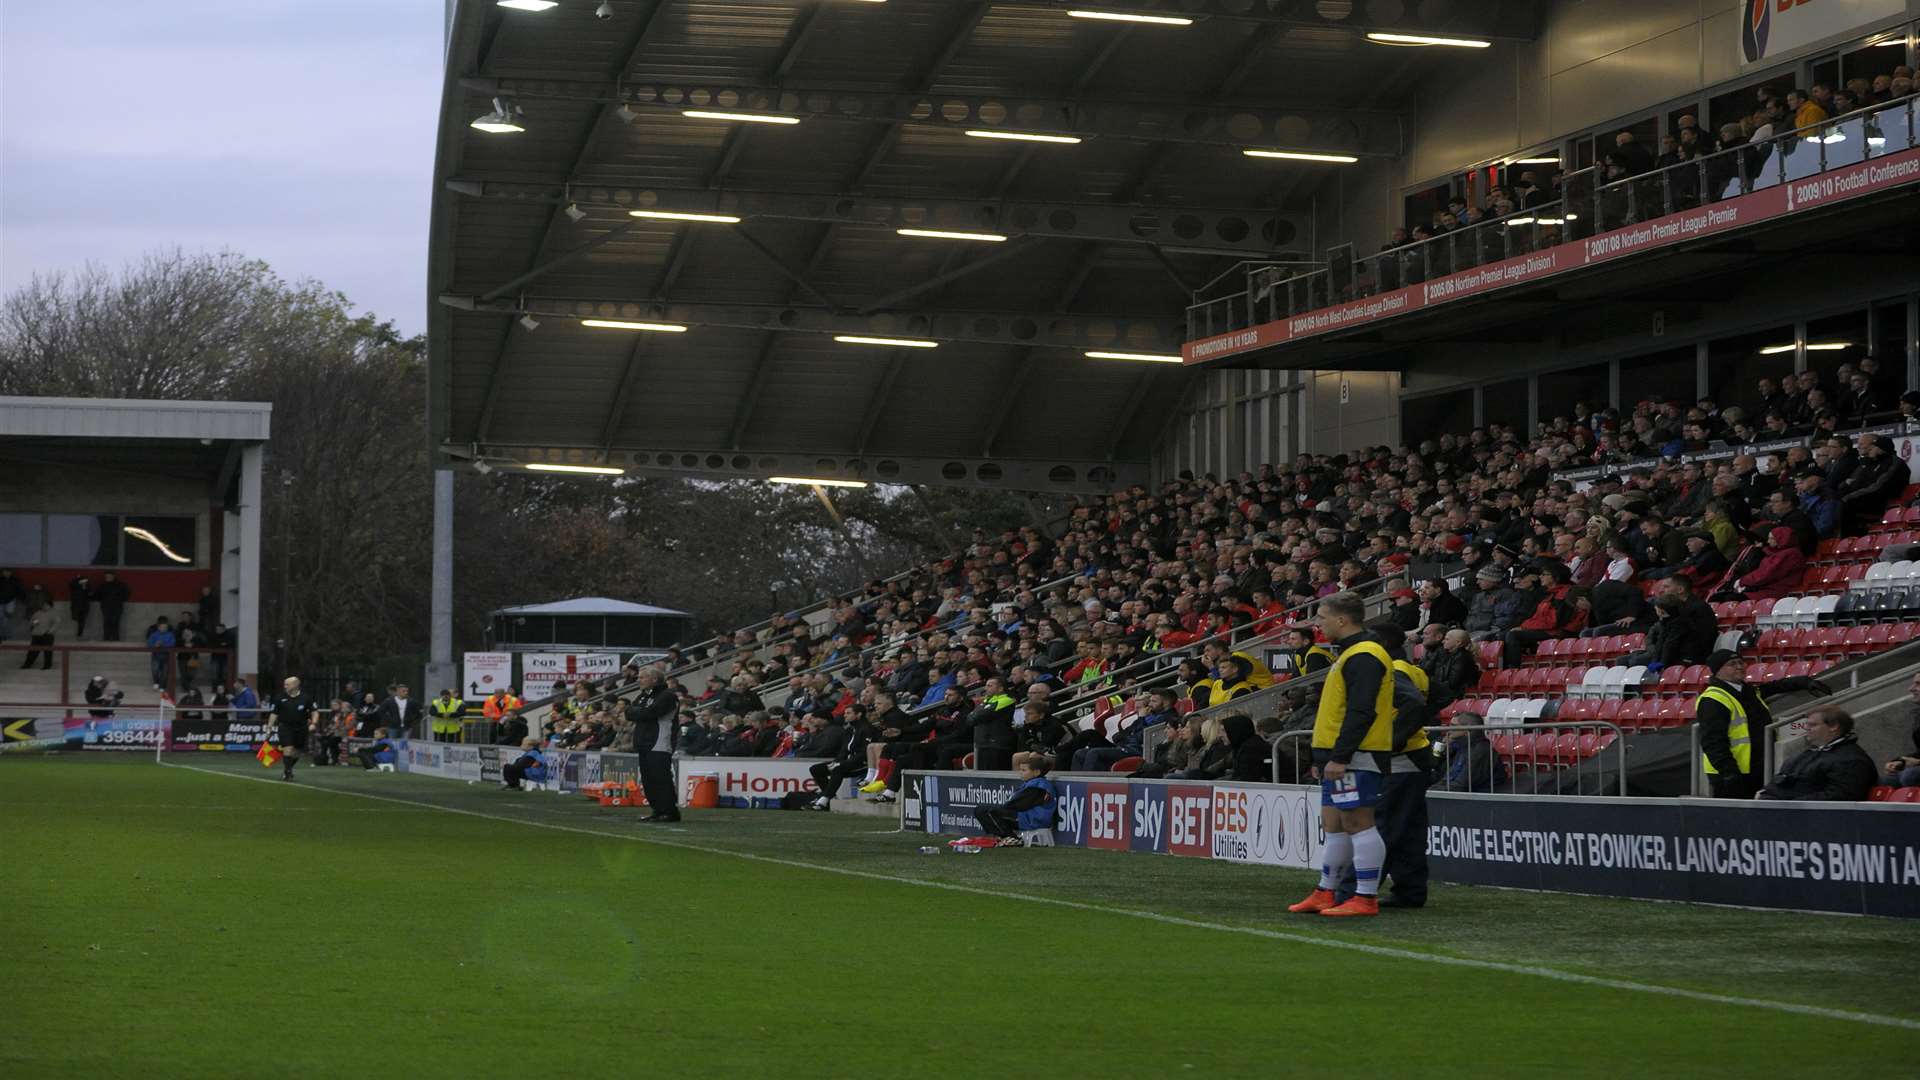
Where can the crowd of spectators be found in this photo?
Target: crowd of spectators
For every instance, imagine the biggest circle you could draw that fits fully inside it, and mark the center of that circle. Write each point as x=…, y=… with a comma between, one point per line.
x=1469, y=538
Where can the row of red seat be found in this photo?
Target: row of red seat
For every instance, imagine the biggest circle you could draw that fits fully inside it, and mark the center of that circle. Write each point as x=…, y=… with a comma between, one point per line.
x=1883, y=793
x=1850, y=548
x=1650, y=713
x=1833, y=642
x=1661, y=707
x=1820, y=580
x=1581, y=650
x=1898, y=517
x=1548, y=682
x=1547, y=749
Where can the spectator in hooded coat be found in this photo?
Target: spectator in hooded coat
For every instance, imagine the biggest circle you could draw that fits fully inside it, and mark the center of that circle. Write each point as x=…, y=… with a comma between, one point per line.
x=1779, y=570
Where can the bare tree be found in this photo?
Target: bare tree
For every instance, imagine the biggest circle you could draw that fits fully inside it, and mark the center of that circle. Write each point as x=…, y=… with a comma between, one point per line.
x=348, y=536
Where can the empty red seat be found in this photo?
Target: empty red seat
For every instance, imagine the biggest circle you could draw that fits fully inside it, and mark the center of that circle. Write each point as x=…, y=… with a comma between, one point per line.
x=1828, y=548
x=1831, y=640
x=1879, y=793
x=1902, y=632
x=1674, y=712
x=1126, y=764
x=1905, y=794
x=1893, y=517
x=1566, y=748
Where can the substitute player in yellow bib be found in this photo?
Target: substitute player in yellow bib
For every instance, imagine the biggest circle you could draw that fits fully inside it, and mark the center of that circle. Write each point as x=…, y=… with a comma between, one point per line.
x=1353, y=746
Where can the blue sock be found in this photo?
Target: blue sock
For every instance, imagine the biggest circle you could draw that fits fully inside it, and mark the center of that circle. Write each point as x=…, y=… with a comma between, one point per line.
x=1369, y=854
x=1333, y=864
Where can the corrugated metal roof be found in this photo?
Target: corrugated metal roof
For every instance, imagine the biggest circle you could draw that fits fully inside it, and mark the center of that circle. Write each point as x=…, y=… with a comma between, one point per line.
x=126, y=418
x=886, y=92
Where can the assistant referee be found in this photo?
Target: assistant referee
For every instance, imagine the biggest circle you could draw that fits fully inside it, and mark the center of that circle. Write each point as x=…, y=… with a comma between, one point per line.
x=295, y=714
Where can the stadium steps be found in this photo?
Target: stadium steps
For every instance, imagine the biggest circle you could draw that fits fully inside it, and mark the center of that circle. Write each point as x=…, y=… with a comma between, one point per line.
x=128, y=669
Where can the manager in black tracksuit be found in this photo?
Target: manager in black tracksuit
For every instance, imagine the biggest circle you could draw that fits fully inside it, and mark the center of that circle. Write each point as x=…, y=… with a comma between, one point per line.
x=656, y=734
x=848, y=758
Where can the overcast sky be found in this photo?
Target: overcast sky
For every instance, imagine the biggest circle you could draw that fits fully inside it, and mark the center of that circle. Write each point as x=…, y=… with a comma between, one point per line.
x=294, y=131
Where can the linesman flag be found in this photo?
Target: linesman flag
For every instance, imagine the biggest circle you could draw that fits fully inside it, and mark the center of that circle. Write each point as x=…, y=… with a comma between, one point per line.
x=268, y=754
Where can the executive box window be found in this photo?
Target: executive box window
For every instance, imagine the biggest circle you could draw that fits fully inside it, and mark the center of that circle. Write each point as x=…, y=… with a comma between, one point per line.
x=1429, y=416
x=1736, y=365
x=1506, y=403
x=142, y=540
x=148, y=540
x=1671, y=375
x=20, y=540
x=1561, y=391
x=83, y=540
x=1890, y=344
x=1833, y=341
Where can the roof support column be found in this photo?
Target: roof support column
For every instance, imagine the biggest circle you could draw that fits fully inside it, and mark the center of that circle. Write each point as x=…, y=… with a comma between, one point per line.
x=440, y=669
x=245, y=609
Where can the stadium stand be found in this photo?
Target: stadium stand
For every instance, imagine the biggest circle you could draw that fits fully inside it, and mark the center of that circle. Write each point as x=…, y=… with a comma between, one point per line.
x=1148, y=589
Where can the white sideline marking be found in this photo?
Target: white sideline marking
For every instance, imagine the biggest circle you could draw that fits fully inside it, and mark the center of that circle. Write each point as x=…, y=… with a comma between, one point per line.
x=1386, y=951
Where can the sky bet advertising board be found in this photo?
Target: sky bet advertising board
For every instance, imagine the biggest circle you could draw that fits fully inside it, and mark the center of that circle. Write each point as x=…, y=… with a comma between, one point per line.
x=1857, y=858
x=1272, y=825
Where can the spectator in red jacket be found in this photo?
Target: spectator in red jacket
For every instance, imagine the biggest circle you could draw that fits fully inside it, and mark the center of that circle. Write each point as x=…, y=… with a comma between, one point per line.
x=1779, y=570
x=1556, y=615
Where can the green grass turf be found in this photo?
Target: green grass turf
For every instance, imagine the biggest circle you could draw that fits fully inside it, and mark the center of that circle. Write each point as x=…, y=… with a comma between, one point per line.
x=164, y=921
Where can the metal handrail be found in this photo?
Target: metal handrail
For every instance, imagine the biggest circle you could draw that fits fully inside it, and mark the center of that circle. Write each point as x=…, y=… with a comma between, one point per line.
x=917, y=636
x=618, y=688
x=804, y=611
x=1619, y=745
x=1899, y=661
x=817, y=605
x=1077, y=697
x=1152, y=737
x=1730, y=167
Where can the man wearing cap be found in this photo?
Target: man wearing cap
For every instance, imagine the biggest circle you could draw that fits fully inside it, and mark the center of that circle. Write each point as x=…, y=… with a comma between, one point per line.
x=1817, y=501
x=1405, y=612
x=1483, y=607
x=1732, y=713
x=1556, y=615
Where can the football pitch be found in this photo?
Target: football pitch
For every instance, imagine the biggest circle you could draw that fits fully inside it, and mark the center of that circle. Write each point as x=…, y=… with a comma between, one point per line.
x=206, y=920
